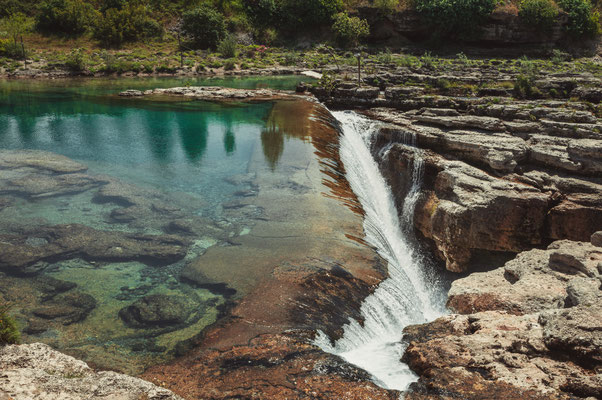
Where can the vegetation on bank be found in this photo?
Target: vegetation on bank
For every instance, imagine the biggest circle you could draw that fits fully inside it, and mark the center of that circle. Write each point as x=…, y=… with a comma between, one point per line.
x=9, y=332
x=202, y=24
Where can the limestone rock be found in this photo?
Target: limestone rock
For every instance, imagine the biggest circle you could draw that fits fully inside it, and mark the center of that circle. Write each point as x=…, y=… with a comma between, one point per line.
x=36, y=371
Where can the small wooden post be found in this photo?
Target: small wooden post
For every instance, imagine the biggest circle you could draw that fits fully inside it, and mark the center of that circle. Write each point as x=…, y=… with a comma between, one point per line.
x=359, y=68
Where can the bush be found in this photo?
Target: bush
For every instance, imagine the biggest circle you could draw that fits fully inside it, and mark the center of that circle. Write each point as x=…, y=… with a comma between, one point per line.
x=540, y=14
x=76, y=60
x=129, y=23
x=70, y=17
x=263, y=13
x=227, y=47
x=349, y=30
x=386, y=7
x=205, y=26
x=305, y=14
x=229, y=65
x=460, y=17
x=9, y=332
x=582, y=19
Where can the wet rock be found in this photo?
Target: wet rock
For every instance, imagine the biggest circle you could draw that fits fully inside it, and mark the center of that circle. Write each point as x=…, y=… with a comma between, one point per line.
x=274, y=366
x=67, y=309
x=78, y=241
x=43, y=185
x=37, y=371
x=157, y=310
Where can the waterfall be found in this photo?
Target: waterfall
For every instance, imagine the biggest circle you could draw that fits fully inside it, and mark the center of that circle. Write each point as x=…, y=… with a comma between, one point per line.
x=409, y=295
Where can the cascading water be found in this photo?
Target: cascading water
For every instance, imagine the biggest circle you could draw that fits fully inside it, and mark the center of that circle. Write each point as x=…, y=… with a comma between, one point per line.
x=409, y=295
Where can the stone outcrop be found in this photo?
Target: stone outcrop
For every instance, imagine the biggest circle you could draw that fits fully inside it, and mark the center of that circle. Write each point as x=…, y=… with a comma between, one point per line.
x=530, y=329
x=36, y=371
x=500, y=175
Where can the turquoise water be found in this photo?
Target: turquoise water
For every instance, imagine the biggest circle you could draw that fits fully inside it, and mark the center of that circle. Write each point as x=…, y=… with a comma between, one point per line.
x=168, y=145
x=151, y=164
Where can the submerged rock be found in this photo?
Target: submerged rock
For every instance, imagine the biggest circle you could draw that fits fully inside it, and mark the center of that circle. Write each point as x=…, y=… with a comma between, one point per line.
x=157, y=310
x=66, y=242
x=37, y=371
x=66, y=309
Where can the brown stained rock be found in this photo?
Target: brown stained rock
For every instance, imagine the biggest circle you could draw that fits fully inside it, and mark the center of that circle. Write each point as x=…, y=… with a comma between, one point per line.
x=65, y=242
x=499, y=352
x=271, y=366
x=531, y=329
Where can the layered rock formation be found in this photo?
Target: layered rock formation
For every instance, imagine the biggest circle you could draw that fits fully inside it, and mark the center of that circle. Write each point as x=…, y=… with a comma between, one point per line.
x=501, y=175
x=531, y=329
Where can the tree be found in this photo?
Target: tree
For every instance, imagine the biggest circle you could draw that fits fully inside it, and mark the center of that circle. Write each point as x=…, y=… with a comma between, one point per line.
x=14, y=27
x=455, y=17
x=204, y=25
x=71, y=17
x=349, y=30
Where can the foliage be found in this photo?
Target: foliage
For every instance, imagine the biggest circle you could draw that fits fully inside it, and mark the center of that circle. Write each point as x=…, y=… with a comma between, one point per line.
x=524, y=85
x=205, y=26
x=558, y=56
x=540, y=14
x=9, y=332
x=76, y=60
x=227, y=47
x=229, y=65
x=386, y=7
x=308, y=13
x=263, y=13
x=129, y=23
x=349, y=30
x=71, y=17
x=583, y=20
x=14, y=26
x=460, y=17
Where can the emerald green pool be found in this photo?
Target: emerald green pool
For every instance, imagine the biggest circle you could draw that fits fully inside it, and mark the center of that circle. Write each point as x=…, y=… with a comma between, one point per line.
x=90, y=240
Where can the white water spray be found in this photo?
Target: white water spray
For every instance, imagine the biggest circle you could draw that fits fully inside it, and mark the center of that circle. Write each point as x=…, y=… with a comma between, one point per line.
x=408, y=295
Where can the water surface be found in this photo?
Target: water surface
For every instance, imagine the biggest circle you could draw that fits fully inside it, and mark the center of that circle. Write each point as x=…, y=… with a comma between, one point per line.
x=160, y=183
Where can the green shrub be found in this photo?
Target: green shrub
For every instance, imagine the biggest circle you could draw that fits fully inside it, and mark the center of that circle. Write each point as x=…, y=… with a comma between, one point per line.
x=455, y=17
x=70, y=17
x=9, y=332
x=291, y=59
x=386, y=7
x=349, y=30
x=229, y=65
x=443, y=84
x=14, y=26
x=296, y=14
x=129, y=23
x=583, y=20
x=76, y=60
x=205, y=26
x=227, y=47
x=263, y=13
x=540, y=14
